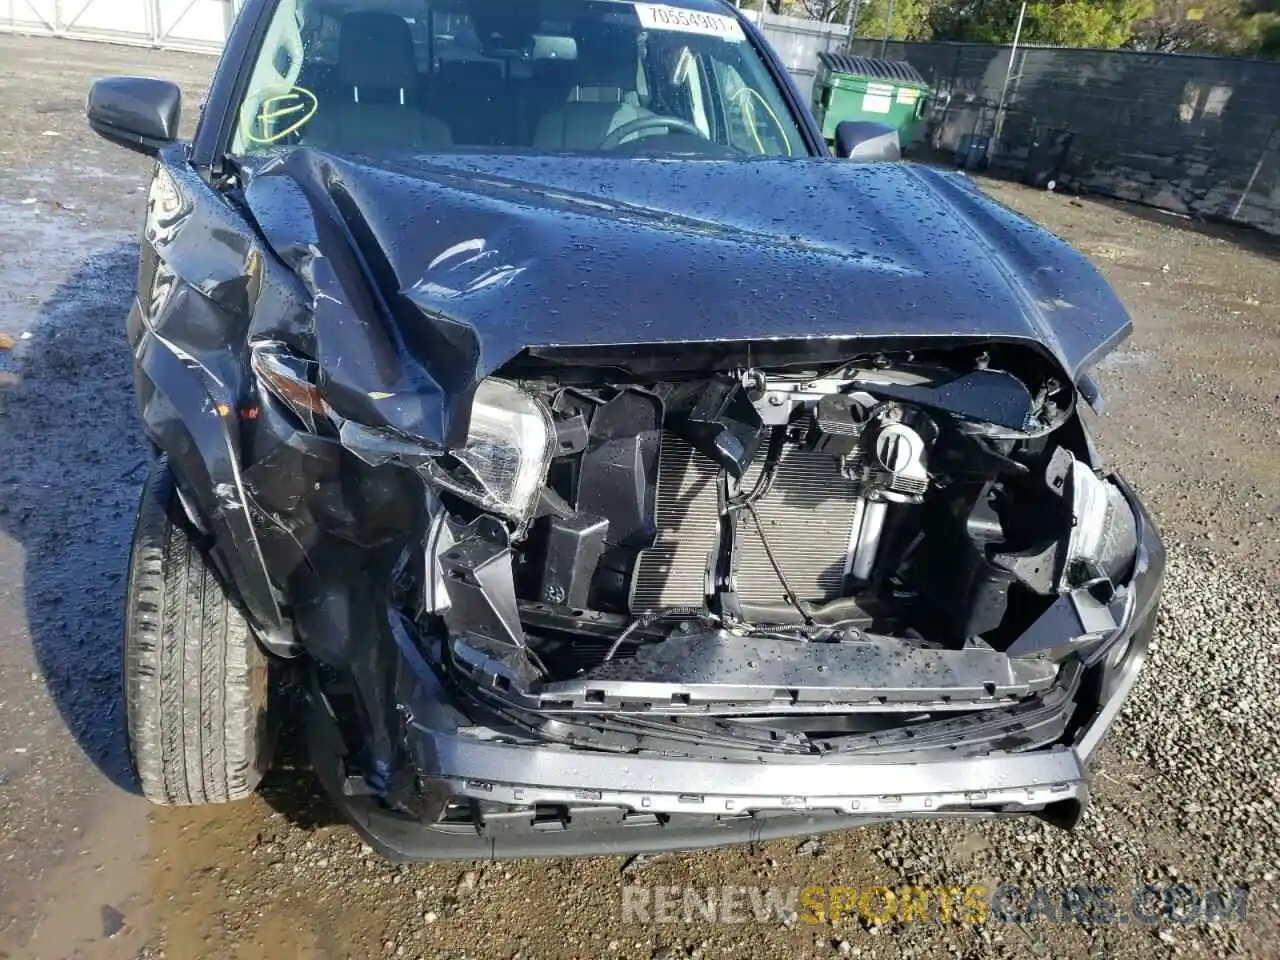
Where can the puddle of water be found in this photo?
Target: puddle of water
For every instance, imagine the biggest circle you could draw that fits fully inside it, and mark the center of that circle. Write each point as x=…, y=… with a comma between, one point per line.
x=82, y=171
x=70, y=847
x=40, y=247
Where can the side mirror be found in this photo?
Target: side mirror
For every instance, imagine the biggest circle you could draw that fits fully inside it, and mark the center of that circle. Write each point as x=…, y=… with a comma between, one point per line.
x=867, y=140
x=138, y=113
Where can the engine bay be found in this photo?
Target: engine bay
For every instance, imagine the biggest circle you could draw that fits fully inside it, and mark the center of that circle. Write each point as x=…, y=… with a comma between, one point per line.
x=898, y=502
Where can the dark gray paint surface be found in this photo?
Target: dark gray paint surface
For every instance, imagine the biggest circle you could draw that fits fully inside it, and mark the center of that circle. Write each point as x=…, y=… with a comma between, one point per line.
x=479, y=258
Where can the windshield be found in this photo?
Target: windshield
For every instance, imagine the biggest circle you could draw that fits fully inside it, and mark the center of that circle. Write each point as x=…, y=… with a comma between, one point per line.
x=546, y=75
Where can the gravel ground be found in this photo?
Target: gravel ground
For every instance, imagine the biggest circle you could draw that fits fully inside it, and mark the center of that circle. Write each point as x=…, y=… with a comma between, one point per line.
x=1186, y=788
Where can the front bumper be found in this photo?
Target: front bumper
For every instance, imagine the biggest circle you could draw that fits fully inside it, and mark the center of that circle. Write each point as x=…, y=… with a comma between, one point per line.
x=497, y=799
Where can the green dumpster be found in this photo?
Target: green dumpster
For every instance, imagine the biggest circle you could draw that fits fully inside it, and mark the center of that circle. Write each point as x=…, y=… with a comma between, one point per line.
x=860, y=88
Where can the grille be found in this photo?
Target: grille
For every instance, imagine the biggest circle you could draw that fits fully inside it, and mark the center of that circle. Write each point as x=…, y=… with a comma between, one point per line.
x=808, y=518
x=672, y=573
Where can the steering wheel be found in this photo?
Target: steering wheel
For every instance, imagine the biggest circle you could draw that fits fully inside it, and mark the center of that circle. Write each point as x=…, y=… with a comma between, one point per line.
x=643, y=124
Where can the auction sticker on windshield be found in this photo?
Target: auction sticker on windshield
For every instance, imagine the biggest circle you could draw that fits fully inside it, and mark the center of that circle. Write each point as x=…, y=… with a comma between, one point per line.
x=659, y=16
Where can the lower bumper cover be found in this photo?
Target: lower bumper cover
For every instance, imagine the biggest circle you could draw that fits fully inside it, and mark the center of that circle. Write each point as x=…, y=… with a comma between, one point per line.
x=614, y=803
x=511, y=774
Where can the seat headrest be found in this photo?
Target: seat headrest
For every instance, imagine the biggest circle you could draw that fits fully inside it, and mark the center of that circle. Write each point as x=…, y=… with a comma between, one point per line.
x=375, y=49
x=606, y=65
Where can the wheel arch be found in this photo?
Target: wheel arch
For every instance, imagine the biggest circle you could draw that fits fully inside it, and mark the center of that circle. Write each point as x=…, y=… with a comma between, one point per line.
x=191, y=428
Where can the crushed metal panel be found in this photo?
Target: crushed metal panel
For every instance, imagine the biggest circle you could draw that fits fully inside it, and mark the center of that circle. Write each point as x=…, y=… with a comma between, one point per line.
x=713, y=670
x=580, y=230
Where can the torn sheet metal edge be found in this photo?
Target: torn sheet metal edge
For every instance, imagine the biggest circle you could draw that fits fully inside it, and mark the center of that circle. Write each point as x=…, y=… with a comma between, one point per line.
x=754, y=673
x=1074, y=619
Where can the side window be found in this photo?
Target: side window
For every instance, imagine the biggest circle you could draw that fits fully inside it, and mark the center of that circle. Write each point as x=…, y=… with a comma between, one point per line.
x=275, y=107
x=752, y=124
x=455, y=37
x=666, y=80
x=320, y=34
x=730, y=85
x=688, y=78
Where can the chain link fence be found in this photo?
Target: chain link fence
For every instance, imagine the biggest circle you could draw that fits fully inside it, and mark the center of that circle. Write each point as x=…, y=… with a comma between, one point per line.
x=1198, y=135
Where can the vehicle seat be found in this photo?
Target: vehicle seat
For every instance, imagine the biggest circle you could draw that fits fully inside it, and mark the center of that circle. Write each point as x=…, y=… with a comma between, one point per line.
x=475, y=99
x=603, y=98
x=553, y=81
x=378, y=82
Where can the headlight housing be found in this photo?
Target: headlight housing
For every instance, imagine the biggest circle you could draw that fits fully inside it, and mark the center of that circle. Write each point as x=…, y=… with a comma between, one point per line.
x=291, y=380
x=501, y=466
x=509, y=447
x=1104, y=535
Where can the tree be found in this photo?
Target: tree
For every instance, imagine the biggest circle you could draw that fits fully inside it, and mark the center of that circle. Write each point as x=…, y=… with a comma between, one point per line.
x=1243, y=27
x=828, y=11
x=1262, y=28
x=1085, y=24
x=986, y=21
x=1179, y=25
x=1069, y=23
x=910, y=19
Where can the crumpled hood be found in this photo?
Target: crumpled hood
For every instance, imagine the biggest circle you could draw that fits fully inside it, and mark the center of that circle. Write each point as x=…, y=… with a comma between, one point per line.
x=427, y=275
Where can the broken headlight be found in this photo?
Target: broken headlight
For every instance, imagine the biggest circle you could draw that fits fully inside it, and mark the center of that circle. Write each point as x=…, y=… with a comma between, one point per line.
x=290, y=379
x=1104, y=536
x=504, y=462
x=500, y=467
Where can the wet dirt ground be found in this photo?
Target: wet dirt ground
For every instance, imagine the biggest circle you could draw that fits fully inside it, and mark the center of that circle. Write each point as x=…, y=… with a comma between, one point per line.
x=1187, y=789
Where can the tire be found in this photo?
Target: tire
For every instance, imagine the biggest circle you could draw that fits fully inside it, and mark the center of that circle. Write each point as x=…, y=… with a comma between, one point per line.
x=195, y=680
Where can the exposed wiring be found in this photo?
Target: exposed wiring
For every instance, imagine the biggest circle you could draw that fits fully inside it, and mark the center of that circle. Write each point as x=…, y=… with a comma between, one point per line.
x=747, y=501
x=792, y=597
x=764, y=483
x=636, y=624
x=536, y=661
x=648, y=617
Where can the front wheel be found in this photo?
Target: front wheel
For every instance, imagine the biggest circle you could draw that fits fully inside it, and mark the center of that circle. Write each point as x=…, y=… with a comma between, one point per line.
x=195, y=679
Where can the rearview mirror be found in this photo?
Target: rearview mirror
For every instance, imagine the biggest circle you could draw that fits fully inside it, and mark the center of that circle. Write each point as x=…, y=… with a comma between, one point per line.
x=139, y=113
x=867, y=140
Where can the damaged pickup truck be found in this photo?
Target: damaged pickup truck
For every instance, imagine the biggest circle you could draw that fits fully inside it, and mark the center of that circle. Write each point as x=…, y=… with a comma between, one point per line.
x=621, y=470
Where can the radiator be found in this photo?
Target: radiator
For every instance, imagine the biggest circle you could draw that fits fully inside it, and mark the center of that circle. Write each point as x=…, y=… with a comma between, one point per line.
x=808, y=517
x=673, y=572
